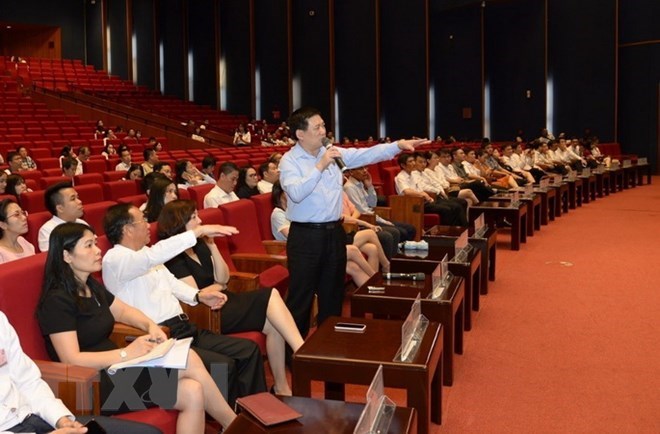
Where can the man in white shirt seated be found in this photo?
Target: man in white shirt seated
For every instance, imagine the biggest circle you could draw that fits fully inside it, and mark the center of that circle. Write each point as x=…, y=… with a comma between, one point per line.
x=125, y=155
x=223, y=192
x=83, y=155
x=270, y=174
x=64, y=204
x=568, y=157
x=28, y=405
x=516, y=163
x=450, y=212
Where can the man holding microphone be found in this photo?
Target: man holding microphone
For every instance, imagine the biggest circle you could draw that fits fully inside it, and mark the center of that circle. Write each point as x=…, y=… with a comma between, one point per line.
x=311, y=176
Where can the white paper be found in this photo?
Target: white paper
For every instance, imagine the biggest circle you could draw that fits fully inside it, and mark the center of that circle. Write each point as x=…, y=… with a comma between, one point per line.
x=173, y=353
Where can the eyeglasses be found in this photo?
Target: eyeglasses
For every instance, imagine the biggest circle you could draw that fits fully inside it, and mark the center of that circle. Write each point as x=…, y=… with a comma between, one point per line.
x=139, y=222
x=18, y=214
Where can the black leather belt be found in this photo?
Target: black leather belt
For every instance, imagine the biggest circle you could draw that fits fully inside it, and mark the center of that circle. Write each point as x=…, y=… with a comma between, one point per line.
x=325, y=225
x=182, y=317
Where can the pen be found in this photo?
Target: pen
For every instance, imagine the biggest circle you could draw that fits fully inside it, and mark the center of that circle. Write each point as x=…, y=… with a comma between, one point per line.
x=132, y=338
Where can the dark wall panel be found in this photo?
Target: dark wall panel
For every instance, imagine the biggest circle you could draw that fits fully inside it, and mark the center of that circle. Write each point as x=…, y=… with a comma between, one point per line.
x=356, y=68
x=638, y=20
x=311, y=54
x=94, y=35
x=143, y=28
x=403, y=67
x=455, y=71
x=271, y=56
x=515, y=63
x=202, y=47
x=67, y=14
x=235, y=50
x=581, y=65
x=171, y=31
x=118, y=43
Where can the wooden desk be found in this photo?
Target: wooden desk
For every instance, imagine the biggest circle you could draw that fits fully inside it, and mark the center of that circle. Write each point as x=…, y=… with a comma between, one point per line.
x=617, y=180
x=498, y=210
x=397, y=299
x=603, y=184
x=548, y=197
x=574, y=193
x=426, y=262
x=588, y=188
x=533, y=204
x=561, y=201
x=322, y=417
x=446, y=236
x=339, y=358
x=641, y=170
x=629, y=177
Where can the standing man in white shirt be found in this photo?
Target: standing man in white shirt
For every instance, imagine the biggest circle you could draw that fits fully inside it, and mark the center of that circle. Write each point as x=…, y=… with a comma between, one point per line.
x=64, y=204
x=270, y=174
x=223, y=192
x=316, y=246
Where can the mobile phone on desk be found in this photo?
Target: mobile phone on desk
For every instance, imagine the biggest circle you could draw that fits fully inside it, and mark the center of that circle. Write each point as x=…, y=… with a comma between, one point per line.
x=350, y=327
x=93, y=427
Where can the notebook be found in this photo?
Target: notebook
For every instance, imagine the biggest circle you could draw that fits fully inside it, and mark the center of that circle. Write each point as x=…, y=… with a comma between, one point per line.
x=267, y=408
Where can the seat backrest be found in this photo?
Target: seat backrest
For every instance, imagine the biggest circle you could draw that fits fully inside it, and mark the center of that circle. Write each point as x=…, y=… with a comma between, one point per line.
x=242, y=214
x=89, y=193
x=52, y=172
x=35, y=222
x=198, y=192
x=213, y=216
x=94, y=166
x=115, y=189
x=20, y=283
x=389, y=173
x=264, y=207
x=136, y=200
x=48, y=163
x=33, y=201
x=113, y=175
x=94, y=213
x=47, y=181
x=88, y=178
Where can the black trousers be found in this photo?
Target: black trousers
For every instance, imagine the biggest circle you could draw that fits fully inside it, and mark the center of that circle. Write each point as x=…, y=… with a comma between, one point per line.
x=317, y=264
x=451, y=211
x=35, y=424
x=483, y=192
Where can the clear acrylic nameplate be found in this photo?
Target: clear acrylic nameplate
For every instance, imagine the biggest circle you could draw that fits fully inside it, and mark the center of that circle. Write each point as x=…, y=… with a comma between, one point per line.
x=440, y=279
x=529, y=190
x=642, y=161
x=480, y=227
x=572, y=175
x=557, y=180
x=461, y=247
x=586, y=171
x=543, y=184
x=614, y=166
x=412, y=333
x=627, y=163
x=515, y=200
x=379, y=409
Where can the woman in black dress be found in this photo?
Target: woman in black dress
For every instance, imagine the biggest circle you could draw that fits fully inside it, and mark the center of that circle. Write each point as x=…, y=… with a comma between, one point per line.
x=262, y=310
x=76, y=314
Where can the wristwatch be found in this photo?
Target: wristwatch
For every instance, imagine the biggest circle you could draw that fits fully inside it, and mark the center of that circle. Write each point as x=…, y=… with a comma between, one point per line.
x=123, y=354
x=197, y=297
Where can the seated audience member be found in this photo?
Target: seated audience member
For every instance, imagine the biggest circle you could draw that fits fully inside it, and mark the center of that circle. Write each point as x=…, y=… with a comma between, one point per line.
x=164, y=169
x=109, y=135
x=223, y=192
x=132, y=137
x=208, y=167
x=15, y=163
x=365, y=238
x=83, y=155
x=77, y=313
x=426, y=180
x=3, y=182
x=108, y=150
x=154, y=144
x=134, y=172
x=161, y=192
x=16, y=186
x=197, y=135
x=434, y=175
x=150, y=158
x=361, y=192
x=451, y=213
x=275, y=157
x=475, y=164
x=66, y=152
x=456, y=176
x=187, y=175
x=242, y=137
x=356, y=266
x=27, y=163
x=569, y=158
x=69, y=167
x=270, y=174
x=100, y=130
x=492, y=160
x=545, y=159
x=33, y=407
x=246, y=185
x=124, y=159
x=202, y=266
x=528, y=157
x=64, y=204
x=13, y=224
x=135, y=274
x=516, y=163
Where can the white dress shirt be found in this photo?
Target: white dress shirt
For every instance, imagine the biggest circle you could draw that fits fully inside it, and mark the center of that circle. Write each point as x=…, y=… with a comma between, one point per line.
x=264, y=186
x=47, y=228
x=140, y=279
x=122, y=166
x=22, y=391
x=217, y=197
x=404, y=181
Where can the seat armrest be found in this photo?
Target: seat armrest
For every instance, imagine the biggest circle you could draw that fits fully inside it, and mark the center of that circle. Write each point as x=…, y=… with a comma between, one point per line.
x=408, y=209
x=369, y=218
x=121, y=331
x=256, y=262
x=383, y=212
x=203, y=317
x=274, y=247
x=241, y=282
x=77, y=386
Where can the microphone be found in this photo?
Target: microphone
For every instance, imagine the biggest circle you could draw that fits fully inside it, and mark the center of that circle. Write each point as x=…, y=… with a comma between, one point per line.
x=410, y=276
x=327, y=144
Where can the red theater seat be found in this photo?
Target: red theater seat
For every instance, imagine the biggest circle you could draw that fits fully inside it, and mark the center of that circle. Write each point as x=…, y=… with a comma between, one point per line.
x=94, y=214
x=88, y=178
x=115, y=189
x=198, y=192
x=33, y=201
